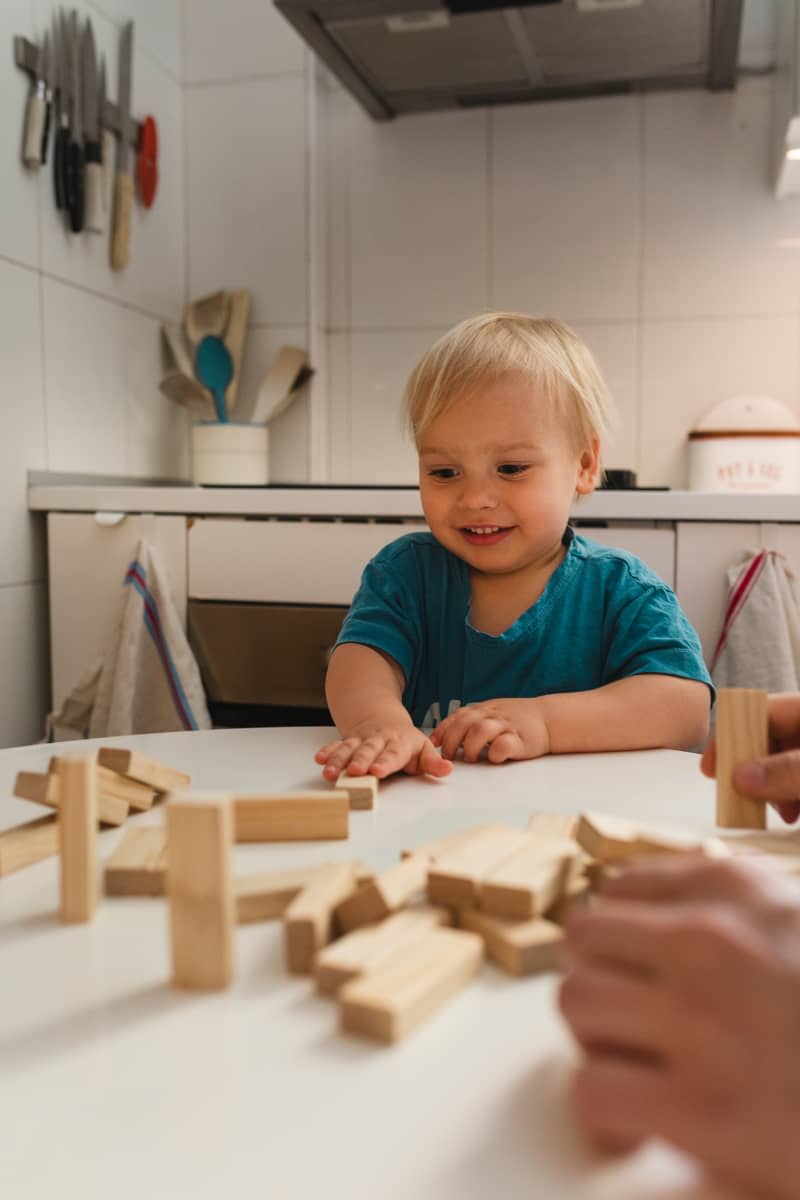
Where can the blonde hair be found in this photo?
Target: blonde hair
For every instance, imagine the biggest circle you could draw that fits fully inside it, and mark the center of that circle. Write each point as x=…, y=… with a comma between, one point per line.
x=485, y=348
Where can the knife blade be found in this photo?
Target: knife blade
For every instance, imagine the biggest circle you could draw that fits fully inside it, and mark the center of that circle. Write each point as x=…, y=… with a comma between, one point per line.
x=106, y=141
x=47, y=75
x=62, y=138
x=75, y=156
x=123, y=181
x=34, y=118
x=93, y=174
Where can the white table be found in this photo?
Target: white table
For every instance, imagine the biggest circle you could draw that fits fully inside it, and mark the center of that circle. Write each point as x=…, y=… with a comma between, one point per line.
x=114, y=1085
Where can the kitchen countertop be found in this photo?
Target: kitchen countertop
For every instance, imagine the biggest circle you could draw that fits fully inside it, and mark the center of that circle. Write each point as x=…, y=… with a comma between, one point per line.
x=48, y=493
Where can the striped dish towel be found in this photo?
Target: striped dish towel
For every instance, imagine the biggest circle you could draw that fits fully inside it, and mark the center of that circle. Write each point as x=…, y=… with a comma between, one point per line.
x=759, y=646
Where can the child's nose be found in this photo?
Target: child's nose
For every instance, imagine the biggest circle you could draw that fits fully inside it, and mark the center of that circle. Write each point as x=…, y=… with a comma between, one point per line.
x=478, y=493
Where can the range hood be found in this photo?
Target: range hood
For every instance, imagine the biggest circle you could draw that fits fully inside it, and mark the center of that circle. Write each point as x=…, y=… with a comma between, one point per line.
x=410, y=56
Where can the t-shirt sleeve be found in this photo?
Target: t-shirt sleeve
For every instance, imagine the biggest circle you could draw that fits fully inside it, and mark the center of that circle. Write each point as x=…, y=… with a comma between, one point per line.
x=385, y=612
x=651, y=636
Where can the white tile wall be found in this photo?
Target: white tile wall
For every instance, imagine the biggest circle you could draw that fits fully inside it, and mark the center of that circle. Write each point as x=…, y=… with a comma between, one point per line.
x=237, y=40
x=80, y=344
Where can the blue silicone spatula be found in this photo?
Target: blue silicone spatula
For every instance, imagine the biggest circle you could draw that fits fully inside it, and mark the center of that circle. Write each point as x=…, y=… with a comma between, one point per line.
x=214, y=367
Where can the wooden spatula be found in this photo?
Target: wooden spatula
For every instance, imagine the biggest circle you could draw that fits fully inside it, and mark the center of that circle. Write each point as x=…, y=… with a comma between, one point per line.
x=185, y=390
x=207, y=316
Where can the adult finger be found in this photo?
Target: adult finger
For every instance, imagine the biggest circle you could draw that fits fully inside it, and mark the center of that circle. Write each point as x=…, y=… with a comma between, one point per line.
x=679, y=877
x=708, y=761
x=775, y=778
x=611, y=1008
x=787, y=812
x=618, y=933
x=621, y=1098
x=784, y=719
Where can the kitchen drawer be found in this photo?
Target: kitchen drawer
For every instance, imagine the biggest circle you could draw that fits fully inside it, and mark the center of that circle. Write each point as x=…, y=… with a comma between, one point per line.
x=284, y=562
x=264, y=653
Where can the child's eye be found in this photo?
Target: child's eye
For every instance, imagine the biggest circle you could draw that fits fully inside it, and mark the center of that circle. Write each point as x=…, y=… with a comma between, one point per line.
x=442, y=472
x=512, y=468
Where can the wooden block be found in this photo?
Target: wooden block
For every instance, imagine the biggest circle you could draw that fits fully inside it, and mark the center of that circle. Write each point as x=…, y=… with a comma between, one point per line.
x=529, y=881
x=292, y=817
x=552, y=825
x=742, y=734
x=200, y=890
x=77, y=824
x=455, y=878
x=577, y=895
x=265, y=897
x=394, y=1000
x=519, y=947
x=112, y=808
x=391, y=890
x=362, y=790
x=138, y=866
x=368, y=949
x=121, y=790
x=144, y=770
x=439, y=847
x=615, y=840
x=26, y=844
x=308, y=921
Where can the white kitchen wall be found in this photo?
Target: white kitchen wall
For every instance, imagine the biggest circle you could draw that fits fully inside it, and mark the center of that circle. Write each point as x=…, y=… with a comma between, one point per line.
x=79, y=345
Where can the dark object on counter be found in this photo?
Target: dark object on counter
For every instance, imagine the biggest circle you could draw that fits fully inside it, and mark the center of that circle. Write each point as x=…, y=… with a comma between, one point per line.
x=618, y=480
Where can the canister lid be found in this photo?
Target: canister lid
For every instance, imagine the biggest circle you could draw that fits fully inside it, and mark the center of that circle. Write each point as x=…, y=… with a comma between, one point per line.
x=747, y=416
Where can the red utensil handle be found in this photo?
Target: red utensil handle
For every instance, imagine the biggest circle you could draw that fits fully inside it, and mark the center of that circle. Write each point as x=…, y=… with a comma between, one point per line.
x=147, y=162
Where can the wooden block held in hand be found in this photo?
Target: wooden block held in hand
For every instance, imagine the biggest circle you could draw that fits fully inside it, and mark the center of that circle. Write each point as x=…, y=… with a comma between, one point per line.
x=392, y=889
x=528, y=882
x=292, y=817
x=144, y=770
x=200, y=890
x=455, y=878
x=308, y=921
x=23, y=845
x=742, y=734
x=394, y=1000
x=138, y=866
x=369, y=948
x=77, y=824
x=362, y=790
x=519, y=947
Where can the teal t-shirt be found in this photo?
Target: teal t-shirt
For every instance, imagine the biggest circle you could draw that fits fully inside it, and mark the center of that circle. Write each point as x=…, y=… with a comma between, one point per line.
x=603, y=616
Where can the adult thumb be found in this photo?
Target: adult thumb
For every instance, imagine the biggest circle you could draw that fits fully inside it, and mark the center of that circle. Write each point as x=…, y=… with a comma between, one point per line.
x=776, y=778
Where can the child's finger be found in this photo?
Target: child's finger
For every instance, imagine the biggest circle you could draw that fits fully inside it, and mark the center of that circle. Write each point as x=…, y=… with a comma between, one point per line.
x=505, y=747
x=453, y=734
x=432, y=763
x=480, y=735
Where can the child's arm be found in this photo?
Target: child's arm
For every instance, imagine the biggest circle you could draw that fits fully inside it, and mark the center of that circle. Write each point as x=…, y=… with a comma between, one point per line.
x=365, y=695
x=640, y=712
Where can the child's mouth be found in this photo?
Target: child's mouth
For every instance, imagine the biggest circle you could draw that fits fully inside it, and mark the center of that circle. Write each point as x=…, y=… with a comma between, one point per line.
x=485, y=535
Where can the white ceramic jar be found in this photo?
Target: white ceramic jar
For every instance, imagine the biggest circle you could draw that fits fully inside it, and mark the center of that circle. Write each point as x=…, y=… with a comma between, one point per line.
x=745, y=444
x=230, y=453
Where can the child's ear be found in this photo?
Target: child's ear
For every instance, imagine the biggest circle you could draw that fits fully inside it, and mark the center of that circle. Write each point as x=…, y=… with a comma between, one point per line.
x=588, y=469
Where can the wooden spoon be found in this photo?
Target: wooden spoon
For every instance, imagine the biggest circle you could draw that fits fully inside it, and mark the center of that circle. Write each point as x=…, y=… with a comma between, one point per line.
x=185, y=390
x=207, y=316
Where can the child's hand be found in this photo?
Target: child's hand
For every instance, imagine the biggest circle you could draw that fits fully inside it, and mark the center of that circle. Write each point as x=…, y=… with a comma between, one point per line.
x=684, y=992
x=381, y=751
x=511, y=729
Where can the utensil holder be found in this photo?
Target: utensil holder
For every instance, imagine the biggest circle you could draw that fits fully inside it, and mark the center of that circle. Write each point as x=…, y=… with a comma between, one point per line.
x=230, y=454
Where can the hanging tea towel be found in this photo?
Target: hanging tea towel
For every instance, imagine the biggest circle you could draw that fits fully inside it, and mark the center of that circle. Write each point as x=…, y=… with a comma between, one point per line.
x=759, y=646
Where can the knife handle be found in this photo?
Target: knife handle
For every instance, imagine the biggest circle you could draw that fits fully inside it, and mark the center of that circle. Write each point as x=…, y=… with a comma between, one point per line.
x=108, y=143
x=121, y=235
x=94, y=217
x=34, y=124
x=48, y=108
x=60, y=166
x=75, y=197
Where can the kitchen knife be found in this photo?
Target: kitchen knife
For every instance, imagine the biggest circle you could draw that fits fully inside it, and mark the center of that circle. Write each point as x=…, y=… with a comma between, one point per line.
x=61, y=88
x=75, y=156
x=106, y=142
x=93, y=175
x=123, y=182
x=47, y=75
x=34, y=117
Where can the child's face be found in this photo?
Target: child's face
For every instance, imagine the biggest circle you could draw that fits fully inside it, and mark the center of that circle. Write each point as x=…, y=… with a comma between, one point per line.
x=498, y=473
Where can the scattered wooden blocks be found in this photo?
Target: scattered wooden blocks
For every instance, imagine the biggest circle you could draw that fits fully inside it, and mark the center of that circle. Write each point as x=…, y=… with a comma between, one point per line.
x=292, y=817
x=138, y=866
x=388, y=1004
x=77, y=824
x=741, y=735
x=577, y=895
x=362, y=790
x=455, y=878
x=200, y=890
x=144, y=770
x=552, y=826
x=368, y=949
x=530, y=880
x=308, y=921
x=265, y=897
x=442, y=846
x=112, y=807
x=391, y=890
x=519, y=947
x=615, y=840
x=24, y=845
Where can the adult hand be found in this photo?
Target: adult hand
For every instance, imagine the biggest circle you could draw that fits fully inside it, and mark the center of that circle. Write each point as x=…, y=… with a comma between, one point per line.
x=507, y=729
x=684, y=992
x=776, y=778
x=382, y=751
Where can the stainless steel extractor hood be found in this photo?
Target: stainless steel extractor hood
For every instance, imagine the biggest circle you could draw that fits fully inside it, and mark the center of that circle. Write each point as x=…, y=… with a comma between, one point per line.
x=408, y=56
